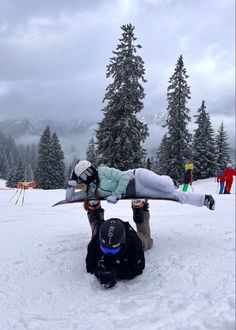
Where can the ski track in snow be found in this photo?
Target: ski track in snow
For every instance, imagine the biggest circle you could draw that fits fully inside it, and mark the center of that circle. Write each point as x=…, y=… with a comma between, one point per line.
x=188, y=282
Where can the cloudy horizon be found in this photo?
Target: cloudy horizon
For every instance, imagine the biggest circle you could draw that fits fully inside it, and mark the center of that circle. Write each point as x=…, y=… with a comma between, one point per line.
x=54, y=55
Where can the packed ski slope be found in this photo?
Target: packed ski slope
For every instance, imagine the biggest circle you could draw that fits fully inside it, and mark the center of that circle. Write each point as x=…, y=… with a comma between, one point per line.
x=188, y=282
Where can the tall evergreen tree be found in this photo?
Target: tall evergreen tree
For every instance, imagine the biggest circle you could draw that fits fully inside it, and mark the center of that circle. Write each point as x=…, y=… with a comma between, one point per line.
x=163, y=154
x=222, y=148
x=57, y=163
x=30, y=158
x=149, y=164
x=20, y=171
x=50, y=169
x=120, y=134
x=91, y=153
x=33, y=156
x=16, y=174
x=10, y=155
x=154, y=161
x=3, y=164
x=204, y=148
x=44, y=170
x=11, y=179
x=179, y=138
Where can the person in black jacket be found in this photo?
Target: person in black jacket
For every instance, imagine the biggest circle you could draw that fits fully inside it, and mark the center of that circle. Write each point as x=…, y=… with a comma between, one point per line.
x=115, y=252
x=141, y=216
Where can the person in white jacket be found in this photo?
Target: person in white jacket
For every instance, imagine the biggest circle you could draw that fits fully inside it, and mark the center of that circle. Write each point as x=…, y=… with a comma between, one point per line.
x=113, y=184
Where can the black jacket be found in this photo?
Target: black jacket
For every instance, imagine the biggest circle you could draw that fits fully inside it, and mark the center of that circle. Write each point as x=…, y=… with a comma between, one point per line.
x=128, y=263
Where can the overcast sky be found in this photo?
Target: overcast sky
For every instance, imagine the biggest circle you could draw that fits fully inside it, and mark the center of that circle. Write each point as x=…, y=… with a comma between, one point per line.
x=54, y=53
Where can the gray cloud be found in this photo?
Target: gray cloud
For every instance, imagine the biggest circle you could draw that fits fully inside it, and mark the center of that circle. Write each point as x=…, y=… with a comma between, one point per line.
x=53, y=54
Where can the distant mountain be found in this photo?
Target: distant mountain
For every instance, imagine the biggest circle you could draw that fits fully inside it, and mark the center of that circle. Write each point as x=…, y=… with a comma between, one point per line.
x=34, y=127
x=157, y=119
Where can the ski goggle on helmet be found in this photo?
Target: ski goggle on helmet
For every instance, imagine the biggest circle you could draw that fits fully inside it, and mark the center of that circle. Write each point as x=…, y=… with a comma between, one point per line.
x=112, y=236
x=85, y=171
x=110, y=251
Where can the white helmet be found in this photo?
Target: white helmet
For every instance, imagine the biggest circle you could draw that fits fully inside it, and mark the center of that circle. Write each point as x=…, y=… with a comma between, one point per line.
x=229, y=165
x=82, y=166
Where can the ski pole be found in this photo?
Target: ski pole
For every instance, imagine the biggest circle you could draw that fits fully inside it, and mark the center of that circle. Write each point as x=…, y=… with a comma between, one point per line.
x=23, y=198
x=13, y=195
x=192, y=187
x=18, y=196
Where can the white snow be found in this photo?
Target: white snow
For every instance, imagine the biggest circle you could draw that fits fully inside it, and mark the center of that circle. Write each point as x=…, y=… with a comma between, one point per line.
x=188, y=282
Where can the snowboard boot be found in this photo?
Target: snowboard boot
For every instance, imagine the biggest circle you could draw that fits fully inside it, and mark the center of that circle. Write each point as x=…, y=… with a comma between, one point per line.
x=95, y=215
x=141, y=218
x=209, y=202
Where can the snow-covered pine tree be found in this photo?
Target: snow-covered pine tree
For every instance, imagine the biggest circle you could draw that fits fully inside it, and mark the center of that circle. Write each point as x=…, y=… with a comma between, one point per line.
x=20, y=171
x=28, y=175
x=120, y=134
x=204, y=148
x=44, y=171
x=163, y=154
x=30, y=159
x=4, y=167
x=11, y=179
x=57, y=163
x=179, y=138
x=10, y=153
x=154, y=161
x=8, y=156
x=222, y=148
x=91, y=153
x=23, y=156
x=149, y=164
x=33, y=156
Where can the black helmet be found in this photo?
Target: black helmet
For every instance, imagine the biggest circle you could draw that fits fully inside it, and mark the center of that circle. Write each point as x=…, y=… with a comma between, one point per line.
x=112, y=236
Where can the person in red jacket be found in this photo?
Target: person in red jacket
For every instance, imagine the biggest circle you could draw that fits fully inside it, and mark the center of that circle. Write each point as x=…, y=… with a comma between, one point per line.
x=221, y=179
x=229, y=172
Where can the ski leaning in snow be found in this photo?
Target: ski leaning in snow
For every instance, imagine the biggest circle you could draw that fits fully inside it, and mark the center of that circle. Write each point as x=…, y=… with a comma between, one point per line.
x=64, y=201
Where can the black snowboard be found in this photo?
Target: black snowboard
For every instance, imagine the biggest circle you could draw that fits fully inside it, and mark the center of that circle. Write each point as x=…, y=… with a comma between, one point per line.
x=63, y=202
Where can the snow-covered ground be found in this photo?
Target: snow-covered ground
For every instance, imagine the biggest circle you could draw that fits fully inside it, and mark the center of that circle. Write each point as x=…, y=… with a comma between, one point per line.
x=188, y=282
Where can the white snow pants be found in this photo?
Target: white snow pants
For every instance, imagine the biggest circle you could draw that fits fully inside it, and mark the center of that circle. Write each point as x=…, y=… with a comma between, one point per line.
x=150, y=184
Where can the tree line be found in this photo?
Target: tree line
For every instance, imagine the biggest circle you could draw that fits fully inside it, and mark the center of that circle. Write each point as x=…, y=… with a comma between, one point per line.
x=17, y=162
x=43, y=163
x=208, y=152
x=119, y=137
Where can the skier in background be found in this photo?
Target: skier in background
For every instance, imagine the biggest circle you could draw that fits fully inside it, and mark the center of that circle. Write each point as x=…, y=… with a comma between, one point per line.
x=221, y=180
x=188, y=179
x=114, y=253
x=229, y=172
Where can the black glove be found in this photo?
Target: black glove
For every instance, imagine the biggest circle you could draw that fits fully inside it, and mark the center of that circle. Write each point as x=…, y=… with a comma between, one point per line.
x=107, y=277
